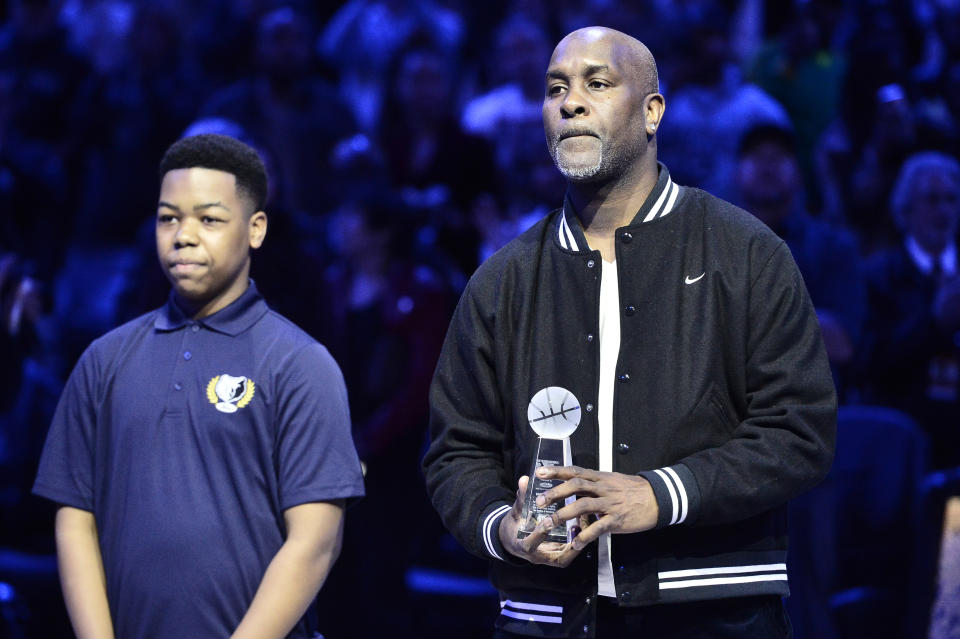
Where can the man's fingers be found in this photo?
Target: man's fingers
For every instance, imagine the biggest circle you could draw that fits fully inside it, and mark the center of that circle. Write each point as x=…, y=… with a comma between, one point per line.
x=530, y=543
x=581, y=507
x=568, y=472
x=576, y=486
x=591, y=533
x=521, y=495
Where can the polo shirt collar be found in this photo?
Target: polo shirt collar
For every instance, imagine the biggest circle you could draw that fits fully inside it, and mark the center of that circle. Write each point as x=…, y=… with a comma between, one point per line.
x=232, y=320
x=659, y=204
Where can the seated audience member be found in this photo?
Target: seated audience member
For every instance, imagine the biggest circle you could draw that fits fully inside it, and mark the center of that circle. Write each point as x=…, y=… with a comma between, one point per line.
x=710, y=108
x=387, y=328
x=769, y=183
x=289, y=108
x=912, y=351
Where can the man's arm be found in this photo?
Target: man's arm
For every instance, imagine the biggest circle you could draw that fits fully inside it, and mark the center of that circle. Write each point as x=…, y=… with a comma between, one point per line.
x=297, y=571
x=81, y=574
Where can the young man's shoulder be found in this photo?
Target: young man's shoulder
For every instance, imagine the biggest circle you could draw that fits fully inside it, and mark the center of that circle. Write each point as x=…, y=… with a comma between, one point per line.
x=292, y=343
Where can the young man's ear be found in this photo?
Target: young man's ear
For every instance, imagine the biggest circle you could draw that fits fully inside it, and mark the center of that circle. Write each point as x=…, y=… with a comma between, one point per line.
x=258, y=229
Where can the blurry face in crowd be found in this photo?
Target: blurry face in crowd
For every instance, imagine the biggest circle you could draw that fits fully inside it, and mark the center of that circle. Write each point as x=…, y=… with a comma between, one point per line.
x=283, y=44
x=768, y=177
x=423, y=86
x=934, y=209
x=521, y=51
x=205, y=231
x=595, y=110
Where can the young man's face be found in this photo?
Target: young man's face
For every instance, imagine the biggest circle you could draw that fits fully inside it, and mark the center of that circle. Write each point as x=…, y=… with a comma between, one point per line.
x=205, y=231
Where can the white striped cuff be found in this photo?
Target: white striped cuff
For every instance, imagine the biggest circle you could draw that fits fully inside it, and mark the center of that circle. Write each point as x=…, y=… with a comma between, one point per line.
x=490, y=531
x=675, y=489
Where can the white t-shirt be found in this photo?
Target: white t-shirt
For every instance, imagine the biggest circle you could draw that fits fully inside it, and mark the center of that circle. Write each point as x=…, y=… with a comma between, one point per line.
x=609, y=351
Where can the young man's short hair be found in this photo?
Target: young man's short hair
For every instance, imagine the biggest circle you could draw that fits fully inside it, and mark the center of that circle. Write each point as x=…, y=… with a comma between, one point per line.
x=221, y=153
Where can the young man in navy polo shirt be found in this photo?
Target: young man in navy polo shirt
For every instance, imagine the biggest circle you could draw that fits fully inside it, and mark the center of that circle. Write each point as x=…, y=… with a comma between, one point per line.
x=201, y=453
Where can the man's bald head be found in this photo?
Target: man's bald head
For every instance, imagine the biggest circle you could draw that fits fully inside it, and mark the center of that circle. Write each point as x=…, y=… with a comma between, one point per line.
x=632, y=54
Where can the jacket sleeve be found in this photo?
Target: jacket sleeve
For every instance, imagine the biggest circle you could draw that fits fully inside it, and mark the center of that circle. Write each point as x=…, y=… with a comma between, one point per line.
x=464, y=465
x=784, y=444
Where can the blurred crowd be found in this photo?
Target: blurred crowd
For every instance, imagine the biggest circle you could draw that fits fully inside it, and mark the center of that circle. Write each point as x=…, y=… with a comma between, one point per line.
x=404, y=143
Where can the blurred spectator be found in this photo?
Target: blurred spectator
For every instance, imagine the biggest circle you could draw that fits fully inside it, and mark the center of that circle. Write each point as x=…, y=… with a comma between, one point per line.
x=893, y=137
x=143, y=93
x=514, y=96
x=386, y=331
x=39, y=82
x=288, y=107
x=28, y=394
x=938, y=112
x=362, y=39
x=709, y=108
x=435, y=168
x=912, y=354
x=798, y=65
x=770, y=185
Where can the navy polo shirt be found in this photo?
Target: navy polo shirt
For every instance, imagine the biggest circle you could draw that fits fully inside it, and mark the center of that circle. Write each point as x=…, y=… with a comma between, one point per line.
x=187, y=440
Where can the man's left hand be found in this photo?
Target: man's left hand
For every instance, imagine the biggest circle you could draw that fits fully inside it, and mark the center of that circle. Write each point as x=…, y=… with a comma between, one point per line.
x=621, y=503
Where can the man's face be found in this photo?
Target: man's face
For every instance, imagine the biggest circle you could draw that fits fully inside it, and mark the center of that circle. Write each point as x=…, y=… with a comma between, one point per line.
x=204, y=235
x=768, y=176
x=593, y=110
x=934, y=210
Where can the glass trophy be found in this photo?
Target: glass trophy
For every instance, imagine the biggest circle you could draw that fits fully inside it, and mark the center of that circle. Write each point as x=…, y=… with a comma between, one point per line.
x=554, y=414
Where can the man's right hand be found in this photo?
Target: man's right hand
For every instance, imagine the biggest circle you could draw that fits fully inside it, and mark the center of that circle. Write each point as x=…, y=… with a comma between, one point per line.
x=533, y=548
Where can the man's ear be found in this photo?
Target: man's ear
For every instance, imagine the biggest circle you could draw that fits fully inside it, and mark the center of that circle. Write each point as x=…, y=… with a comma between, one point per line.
x=654, y=107
x=257, y=228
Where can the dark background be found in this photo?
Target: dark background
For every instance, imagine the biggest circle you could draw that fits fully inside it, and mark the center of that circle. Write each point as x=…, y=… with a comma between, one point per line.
x=404, y=145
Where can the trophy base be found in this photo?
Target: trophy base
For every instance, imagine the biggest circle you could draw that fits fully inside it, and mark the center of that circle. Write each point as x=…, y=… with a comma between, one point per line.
x=550, y=452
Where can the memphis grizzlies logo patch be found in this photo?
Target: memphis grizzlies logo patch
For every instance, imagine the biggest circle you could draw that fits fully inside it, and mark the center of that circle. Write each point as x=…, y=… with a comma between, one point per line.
x=228, y=393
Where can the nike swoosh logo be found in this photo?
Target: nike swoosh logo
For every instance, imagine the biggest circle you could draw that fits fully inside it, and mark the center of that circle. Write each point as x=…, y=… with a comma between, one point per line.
x=691, y=280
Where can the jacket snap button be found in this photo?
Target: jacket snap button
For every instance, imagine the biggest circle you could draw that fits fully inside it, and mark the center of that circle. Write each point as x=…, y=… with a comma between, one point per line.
x=589, y=408
x=625, y=595
x=630, y=310
x=589, y=337
x=624, y=377
x=590, y=263
x=627, y=237
x=622, y=447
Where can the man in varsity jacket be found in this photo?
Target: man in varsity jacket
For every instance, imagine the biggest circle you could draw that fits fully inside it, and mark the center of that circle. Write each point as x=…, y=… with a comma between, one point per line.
x=681, y=328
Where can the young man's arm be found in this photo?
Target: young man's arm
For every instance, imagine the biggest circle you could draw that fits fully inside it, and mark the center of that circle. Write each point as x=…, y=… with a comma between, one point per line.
x=297, y=571
x=81, y=574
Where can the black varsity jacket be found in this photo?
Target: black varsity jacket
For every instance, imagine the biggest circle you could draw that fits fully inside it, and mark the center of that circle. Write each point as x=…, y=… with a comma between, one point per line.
x=724, y=402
